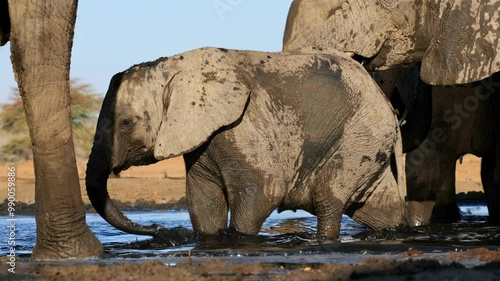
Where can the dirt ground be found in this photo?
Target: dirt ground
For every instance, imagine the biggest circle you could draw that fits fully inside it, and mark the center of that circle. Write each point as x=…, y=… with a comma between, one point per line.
x=163, y=182
x=477, y=264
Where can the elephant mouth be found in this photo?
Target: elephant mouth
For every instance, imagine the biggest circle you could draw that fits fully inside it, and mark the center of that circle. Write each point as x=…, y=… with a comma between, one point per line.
x=117, y=170
x=121, y=166
x=146, y=159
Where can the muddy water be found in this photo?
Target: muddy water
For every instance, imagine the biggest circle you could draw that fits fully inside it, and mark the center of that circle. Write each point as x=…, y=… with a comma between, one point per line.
x=285, y=234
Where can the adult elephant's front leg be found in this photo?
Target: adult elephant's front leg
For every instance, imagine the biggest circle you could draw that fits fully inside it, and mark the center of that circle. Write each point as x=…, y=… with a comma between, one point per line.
x=41, y=40
x=490, y=169
x=490, y=178
x=430, y=180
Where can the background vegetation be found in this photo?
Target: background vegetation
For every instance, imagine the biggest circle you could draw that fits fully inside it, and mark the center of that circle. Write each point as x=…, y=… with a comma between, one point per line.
x=15, y=143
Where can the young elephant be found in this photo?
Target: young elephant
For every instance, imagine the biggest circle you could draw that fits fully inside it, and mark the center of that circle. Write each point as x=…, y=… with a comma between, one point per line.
x=258, y=131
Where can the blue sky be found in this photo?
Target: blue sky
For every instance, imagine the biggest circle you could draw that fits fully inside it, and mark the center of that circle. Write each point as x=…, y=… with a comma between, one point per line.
x=112, y=35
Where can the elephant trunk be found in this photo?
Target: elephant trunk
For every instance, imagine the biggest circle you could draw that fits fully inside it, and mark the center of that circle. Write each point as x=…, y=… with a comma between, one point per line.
x=97, y=174
x=417, y=98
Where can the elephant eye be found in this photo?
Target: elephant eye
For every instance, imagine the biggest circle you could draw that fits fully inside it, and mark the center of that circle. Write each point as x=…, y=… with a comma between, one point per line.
x=126, y=124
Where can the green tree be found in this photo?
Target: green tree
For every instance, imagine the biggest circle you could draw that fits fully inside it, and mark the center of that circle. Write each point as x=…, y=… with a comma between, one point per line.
x=85, y=107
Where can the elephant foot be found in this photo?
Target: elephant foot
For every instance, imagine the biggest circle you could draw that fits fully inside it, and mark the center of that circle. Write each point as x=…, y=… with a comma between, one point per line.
x=50, y=247
x=378, y=217
x=328, y=242
x=384, y=207
x=447, y=213
x=494, y=219
x=425, y=212
x=419, y=212
x=494, y=209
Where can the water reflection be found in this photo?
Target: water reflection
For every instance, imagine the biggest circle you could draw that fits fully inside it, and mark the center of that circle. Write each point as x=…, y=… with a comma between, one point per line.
x=287, y=230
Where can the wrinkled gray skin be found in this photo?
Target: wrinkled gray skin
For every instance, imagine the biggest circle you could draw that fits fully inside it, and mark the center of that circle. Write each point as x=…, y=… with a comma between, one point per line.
x=456, y=41
x=41, y=36
x=408, y=94
x=463, y=122
x=390, y=34
x=258, y=131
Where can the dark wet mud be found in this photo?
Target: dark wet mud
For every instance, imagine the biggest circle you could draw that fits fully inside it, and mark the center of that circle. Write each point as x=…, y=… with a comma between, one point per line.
x=296, y=237
x=478, y=264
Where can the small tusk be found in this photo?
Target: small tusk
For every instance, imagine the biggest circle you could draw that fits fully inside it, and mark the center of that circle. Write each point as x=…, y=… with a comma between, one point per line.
x=349, y=53
x=403, y=118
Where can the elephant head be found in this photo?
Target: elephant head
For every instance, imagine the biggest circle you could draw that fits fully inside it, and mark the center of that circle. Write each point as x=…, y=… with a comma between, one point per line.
x=144, y=119
x=456, y=41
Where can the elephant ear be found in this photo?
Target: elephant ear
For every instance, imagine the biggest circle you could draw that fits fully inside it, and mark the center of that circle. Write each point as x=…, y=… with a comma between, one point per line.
x=208, y=93
x=466, y=46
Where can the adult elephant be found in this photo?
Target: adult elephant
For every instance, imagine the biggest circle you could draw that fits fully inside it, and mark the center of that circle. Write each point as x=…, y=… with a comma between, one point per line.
x=388, y=34
x=41, y=34
x=258, y=131
x=456, y=42
x=408, y=94
x=464, y=121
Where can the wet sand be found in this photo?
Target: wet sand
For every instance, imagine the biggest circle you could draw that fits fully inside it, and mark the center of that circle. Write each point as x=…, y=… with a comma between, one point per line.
x=475, y=264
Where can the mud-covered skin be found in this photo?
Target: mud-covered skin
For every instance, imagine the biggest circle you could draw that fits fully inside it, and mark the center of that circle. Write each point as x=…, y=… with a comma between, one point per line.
x=456, y=41
x=41, y=36
x=258, y=131
x=463, y=122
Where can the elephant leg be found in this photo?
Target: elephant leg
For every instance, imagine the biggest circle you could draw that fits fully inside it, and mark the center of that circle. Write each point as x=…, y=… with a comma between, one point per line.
x=369, y=193
x=250, y=197
x=331, y=194
x=249, y=206
x=328, y=208
x=383, y=207
x=41, y=39
x=490, y=167
x=490, y=177
x=430, y=179
x=205, y=197
x=446, y=208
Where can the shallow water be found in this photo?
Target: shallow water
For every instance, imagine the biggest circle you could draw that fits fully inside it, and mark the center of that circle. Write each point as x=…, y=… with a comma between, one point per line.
x=288, y=232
